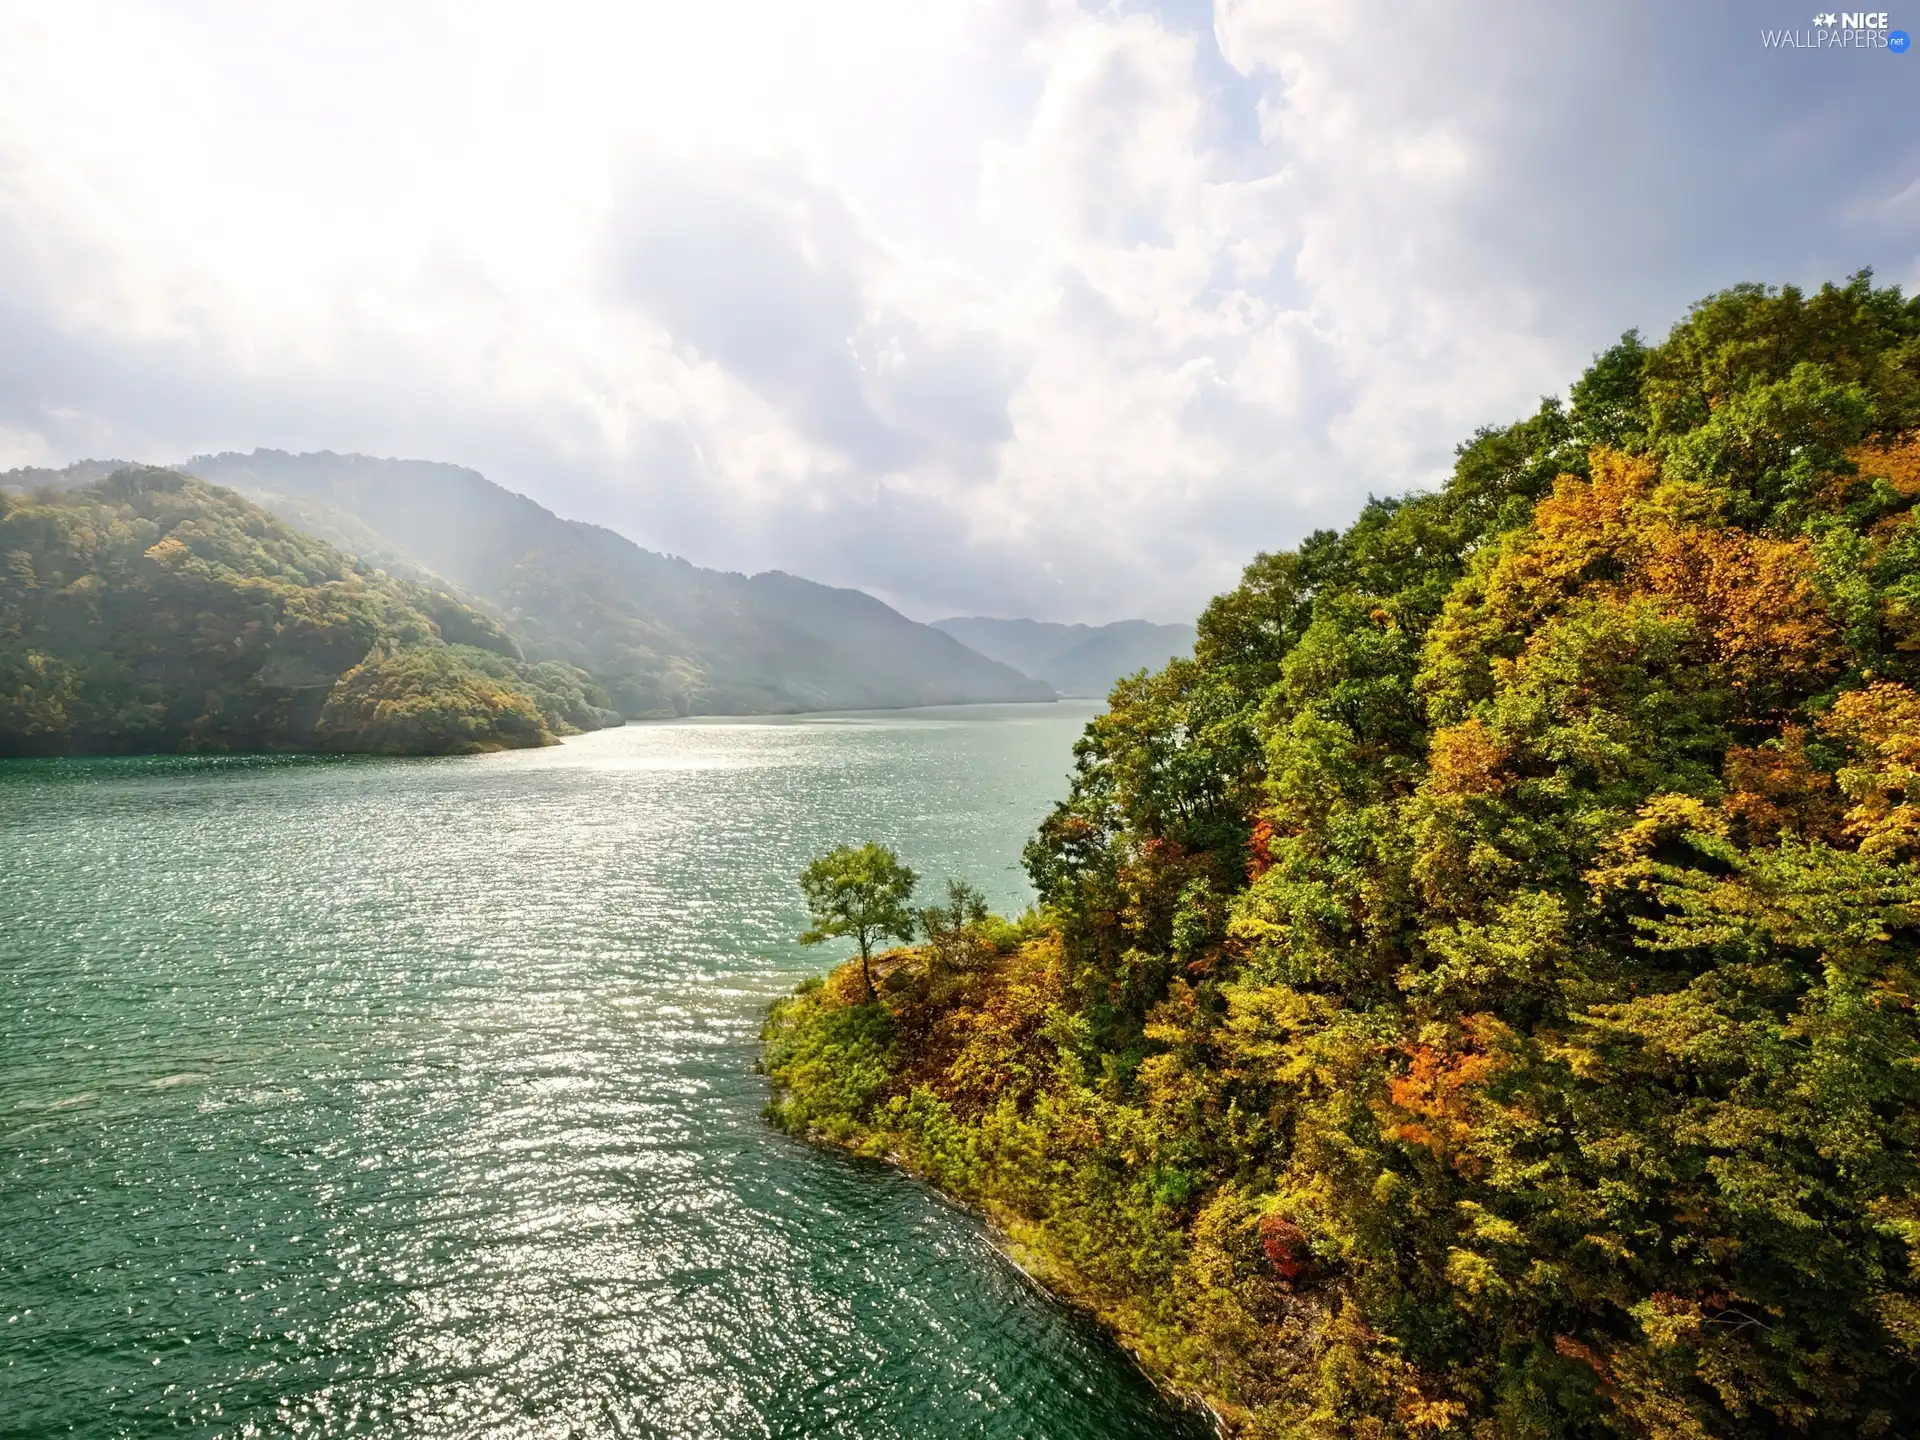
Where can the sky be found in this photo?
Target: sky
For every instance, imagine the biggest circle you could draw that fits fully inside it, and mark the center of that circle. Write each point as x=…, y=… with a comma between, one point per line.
x=1018, y=308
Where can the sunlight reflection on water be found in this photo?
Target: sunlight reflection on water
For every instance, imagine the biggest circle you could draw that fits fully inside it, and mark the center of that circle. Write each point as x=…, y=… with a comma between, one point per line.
x=416, y=1098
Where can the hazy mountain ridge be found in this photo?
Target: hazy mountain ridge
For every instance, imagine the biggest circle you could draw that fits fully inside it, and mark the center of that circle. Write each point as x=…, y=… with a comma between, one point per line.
x=67, y=477
x=1075, y=659
x=663, y=635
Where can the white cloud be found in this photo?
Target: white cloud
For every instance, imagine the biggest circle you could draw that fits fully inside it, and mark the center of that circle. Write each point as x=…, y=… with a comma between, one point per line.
x=1010, y=307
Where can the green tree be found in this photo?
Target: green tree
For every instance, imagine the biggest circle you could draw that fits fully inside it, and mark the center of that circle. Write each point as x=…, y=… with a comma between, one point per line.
x=862, y=891
x=953, y=930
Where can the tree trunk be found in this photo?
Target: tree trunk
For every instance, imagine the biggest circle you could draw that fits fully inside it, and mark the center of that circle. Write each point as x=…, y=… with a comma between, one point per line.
x=866, y=969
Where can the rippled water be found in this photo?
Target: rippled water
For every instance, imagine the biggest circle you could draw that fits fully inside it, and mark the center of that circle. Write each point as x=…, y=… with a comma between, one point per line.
x=416, y=1098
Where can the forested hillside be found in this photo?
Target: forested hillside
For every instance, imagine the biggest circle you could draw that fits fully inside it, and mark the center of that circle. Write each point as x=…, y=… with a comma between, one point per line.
x=665, y=637
x=1476, y=993
x=152, y=612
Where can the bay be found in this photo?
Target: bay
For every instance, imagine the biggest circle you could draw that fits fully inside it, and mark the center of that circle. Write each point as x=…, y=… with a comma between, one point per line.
x=416, y=1098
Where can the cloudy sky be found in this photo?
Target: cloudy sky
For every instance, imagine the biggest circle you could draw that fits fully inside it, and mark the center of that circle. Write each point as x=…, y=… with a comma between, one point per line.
x=1023, y=307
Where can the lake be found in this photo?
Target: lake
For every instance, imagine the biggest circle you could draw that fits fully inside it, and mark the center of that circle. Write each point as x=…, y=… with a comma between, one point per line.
x=417, y=1098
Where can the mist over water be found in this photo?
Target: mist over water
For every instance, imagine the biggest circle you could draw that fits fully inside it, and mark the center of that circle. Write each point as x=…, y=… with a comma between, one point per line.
x=416, y=1098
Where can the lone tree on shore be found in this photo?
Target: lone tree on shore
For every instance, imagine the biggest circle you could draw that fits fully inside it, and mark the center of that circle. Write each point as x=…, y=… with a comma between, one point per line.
x=862, y=891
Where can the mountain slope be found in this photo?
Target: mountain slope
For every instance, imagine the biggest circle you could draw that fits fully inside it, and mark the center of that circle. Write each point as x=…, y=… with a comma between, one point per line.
x=662, y=635
x=152, y=612
x=1075, y=659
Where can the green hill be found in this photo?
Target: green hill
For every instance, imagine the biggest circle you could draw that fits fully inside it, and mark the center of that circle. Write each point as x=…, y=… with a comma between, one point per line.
x=148, y=611
x=665, y=637
x=1479, y=992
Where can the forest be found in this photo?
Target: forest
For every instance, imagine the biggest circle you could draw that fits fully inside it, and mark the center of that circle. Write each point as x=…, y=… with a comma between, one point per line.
x=151, y=612
x=1475, y=994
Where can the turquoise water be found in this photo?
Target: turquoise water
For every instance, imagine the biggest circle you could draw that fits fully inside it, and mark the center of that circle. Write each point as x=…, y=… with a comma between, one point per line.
x=417, y=1098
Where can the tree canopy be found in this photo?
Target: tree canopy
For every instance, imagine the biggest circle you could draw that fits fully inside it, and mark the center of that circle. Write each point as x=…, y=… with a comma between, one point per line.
x=1478, y=993
x=862, y=891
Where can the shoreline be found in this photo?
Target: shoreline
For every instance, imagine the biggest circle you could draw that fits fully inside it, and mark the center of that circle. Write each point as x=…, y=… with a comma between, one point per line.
x=1036, y=1268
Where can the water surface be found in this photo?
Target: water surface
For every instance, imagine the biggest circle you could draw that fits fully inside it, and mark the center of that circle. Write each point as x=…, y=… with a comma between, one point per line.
x=416, y=1098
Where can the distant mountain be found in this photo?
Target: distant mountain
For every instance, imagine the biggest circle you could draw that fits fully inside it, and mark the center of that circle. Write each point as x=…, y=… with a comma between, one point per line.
x=1026, y=645
x=1121, y=648
x=1075, y=659
x=151, y=612
x=663, y=636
